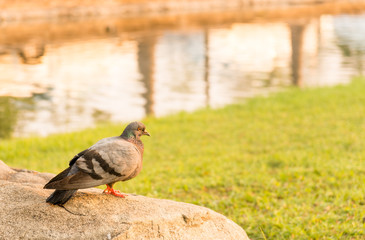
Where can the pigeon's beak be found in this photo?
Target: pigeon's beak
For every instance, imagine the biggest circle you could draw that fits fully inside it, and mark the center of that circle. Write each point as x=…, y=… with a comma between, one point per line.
x=146, y=133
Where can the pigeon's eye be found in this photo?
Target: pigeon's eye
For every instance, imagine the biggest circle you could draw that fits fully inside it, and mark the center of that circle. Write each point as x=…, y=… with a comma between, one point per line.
x=139, y=129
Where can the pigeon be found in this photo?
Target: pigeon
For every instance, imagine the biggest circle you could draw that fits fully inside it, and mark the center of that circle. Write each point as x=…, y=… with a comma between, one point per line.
x=108, y=161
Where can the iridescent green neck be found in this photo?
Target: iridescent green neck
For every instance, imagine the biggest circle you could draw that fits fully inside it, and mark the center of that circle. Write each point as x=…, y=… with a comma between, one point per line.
x=127, y=135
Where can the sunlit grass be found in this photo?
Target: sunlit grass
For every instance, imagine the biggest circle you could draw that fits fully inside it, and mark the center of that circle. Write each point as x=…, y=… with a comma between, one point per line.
x=289, y=166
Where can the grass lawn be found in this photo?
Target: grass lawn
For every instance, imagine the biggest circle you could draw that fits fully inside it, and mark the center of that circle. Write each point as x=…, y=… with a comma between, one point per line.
x=289, y=166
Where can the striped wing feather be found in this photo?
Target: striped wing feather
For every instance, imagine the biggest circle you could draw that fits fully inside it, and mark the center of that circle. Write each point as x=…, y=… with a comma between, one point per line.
x=78, y=180
x=109, y=160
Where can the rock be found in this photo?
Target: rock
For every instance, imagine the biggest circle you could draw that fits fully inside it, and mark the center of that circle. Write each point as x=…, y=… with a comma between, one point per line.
x=5, y=171
x=23, y=175
x=93, y=215
x=26, y=176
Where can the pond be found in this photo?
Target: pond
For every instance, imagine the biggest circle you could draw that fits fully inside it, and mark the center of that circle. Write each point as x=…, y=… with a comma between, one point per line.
x=64, y=76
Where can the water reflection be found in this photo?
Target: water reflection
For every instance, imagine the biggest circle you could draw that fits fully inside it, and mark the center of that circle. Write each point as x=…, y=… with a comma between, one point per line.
x=53, y=83
x=8, y=113
x=146, y=64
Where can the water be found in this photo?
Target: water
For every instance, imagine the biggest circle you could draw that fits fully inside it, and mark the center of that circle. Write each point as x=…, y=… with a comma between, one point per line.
x=59, y=77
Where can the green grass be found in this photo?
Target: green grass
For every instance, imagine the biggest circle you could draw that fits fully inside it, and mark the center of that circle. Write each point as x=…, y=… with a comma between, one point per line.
x=289, y=166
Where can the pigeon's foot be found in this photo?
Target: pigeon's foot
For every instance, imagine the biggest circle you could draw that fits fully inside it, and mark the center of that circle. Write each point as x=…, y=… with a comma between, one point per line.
x=116, y=193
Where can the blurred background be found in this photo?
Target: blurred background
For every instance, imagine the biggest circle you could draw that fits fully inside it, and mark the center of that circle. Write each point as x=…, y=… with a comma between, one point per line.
x=67, y=65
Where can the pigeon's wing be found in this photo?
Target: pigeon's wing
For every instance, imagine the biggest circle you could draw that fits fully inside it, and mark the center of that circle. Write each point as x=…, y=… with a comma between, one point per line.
x=57, y=178
x=65, y=172
x=76, y=181
x=109, y=160
x=77, y=156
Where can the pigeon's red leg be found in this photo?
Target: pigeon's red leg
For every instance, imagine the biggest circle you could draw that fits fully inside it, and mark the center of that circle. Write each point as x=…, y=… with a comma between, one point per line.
x=117, y=193
x=109, y=190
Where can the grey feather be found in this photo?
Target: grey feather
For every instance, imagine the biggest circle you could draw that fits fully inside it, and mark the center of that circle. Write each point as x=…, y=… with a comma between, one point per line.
x=111, y=158
x=108, y=161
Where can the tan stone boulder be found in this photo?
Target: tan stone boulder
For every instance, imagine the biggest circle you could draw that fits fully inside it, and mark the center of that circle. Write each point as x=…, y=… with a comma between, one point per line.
x=93, y=215
x=5, y=170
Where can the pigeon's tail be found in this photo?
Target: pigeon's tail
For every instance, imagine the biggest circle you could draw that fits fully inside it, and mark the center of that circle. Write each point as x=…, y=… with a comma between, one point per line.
x=60, y=197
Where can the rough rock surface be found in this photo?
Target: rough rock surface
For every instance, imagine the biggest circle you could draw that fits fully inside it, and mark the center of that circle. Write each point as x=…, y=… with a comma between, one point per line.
x=93, y=215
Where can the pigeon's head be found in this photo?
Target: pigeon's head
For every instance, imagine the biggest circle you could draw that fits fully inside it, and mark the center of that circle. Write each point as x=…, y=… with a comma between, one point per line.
x=135, y=130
